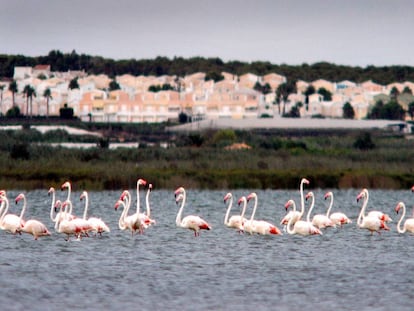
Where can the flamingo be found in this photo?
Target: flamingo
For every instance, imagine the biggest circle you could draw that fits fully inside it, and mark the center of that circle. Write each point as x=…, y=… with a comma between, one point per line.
x=68, y=214
x=81, y=223
x=382, y=216
x=135, y=222
x=67, y=185
x=259, y=226
x=301, y=227
x=320, y=221
x=97, y=224
x=370, y=222
x=149, y=221
x=293, y=213
x=64, y=225
x=32, y=226
x=11, y=222
x=243, y=200
x=235, y=221
x=337, y=218
x=191, y=222
x=409, y=222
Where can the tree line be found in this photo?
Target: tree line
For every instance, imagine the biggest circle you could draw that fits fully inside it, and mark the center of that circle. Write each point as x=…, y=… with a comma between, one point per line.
x=213, y=67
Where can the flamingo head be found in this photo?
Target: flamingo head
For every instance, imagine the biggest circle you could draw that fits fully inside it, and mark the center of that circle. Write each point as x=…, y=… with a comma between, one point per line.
x=3, y=192
x=83, y=195
x=385, y=217
x=66, y=184
x=304, y=181
x=141, y=182
x=150, y=187
x=327, y=195
x=178, y=191
x=119, y=202
x=289, y=204
x=242, y=199
x=227, y=197
x=124, y=194
x=58, y=205
x=361, y=195
x=251, y=196
x=51, y=190
x=412, y=189
x=179, y=197
x=398, y=207
x=309, y=195
x=19, y=197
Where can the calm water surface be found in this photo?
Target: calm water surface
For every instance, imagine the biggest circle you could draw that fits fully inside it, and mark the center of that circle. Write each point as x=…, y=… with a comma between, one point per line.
x=167, y=267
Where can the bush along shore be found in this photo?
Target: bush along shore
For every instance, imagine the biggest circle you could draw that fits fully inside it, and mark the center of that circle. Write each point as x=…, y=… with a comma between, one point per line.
x=214, y=159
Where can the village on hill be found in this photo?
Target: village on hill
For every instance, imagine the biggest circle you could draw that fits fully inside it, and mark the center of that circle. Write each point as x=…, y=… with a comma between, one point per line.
x=38, y=91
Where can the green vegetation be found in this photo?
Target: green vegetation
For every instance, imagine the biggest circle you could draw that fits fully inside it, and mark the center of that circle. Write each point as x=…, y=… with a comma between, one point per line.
x=277, y=159
x=213, y=67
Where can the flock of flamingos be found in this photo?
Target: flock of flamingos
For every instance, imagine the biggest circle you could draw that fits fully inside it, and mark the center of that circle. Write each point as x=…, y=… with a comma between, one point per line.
x=65, y=222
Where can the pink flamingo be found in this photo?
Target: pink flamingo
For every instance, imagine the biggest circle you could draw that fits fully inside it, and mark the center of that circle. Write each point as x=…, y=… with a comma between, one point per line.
x=320, y=221
x=293, y=213
x=337, y=218
x=191, y=222
x=64, y=225
x=32, y=226
x=235, y=221
x=300, y=227
x=259, y=226
x=10, y=222
x=97, y=224
x=135, y=222
x=382, y=216
x=409, y=222
x=370, y=222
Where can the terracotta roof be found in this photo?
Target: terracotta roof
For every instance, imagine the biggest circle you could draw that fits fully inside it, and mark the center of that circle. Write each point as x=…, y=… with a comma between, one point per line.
x=237, y=146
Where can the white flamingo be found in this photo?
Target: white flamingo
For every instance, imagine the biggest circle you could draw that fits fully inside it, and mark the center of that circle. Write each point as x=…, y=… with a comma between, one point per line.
x=300, y=227
x=64, y=225
x=258, y=226
x=191, y=222
x=320, y=221
x=382, y=216
x=338, y=218
x=235, y=221
x=32, y=226
x=11, y=222
x=135, y=222
x=149, y=221
x=372, y=222
x=97, y=224
x=83, y=224
x=409, y=222
x=293, y=213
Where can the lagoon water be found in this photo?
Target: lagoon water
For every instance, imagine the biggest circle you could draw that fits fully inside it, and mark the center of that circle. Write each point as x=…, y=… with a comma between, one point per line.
x=167, y=267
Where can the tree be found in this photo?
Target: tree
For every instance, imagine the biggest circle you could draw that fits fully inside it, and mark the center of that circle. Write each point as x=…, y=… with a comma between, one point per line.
x=1, y=95
x=113, y=85
x=411, y=110
x=407, y=90
x=13, y=88
x=364, y=142
x=327, y=96
x=29, y=91
x=282, y=93
x=73, y=84
x=389, y=111
x=309, y=91
x=394, y=93
x=48, y=95
x=348, y=111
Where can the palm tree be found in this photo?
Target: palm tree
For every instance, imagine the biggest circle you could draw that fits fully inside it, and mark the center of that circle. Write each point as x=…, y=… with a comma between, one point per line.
x=30, y=92
x=13, y=88
x=1, y=95
x=48, y=95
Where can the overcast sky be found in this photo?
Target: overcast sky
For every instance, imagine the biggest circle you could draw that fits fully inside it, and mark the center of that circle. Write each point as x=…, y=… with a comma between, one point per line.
x=344, y=32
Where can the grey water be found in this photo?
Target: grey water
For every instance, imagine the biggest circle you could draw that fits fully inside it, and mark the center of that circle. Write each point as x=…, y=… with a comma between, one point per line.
x=167, y=267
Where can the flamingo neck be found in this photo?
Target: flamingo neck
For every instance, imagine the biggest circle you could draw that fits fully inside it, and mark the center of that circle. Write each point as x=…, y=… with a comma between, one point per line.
x=69, y=192
x=23, y=209
x=6, y=209
x=226, y=217
x=401, y=219
x=289, y=228
x=302, y=199
x=244, y=208
x=52, y=209
x=362, y=212
x=85, y=212
x=121, y=222
x=180, y=211
x=138, y=202
x=147, y=202
x=330, y=206
x=254, y=208
x=310, y=208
